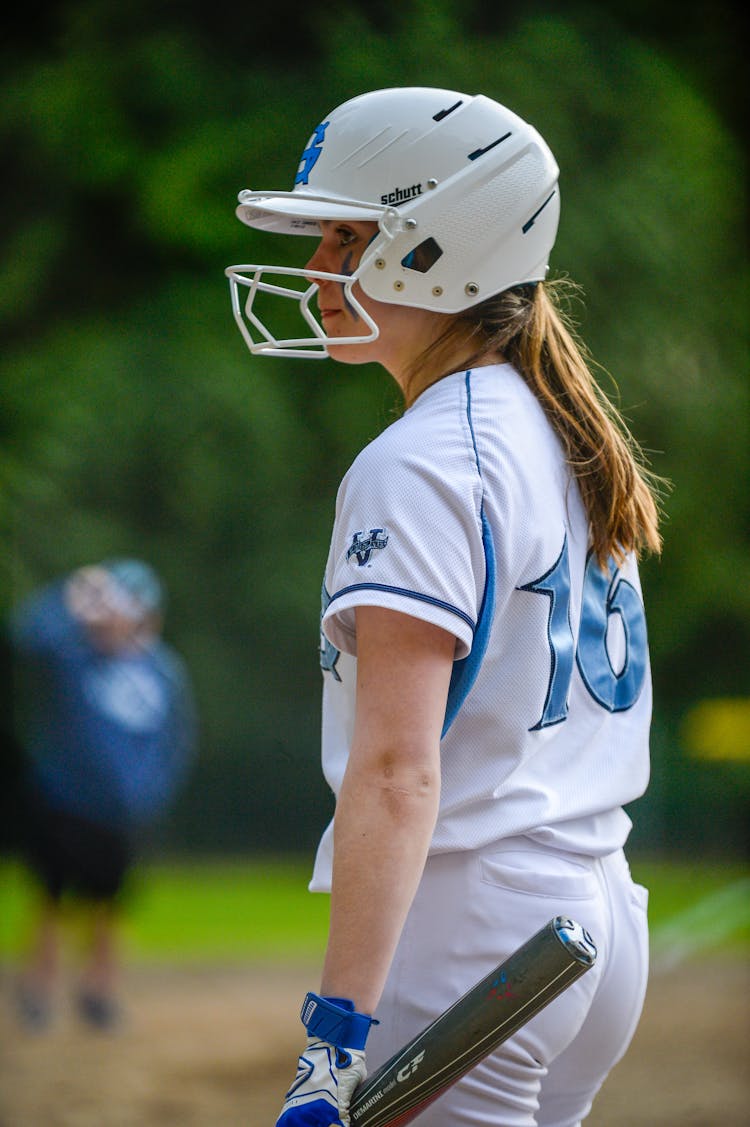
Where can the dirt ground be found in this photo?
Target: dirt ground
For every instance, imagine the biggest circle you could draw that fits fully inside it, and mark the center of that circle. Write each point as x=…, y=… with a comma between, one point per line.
x=216, y=1048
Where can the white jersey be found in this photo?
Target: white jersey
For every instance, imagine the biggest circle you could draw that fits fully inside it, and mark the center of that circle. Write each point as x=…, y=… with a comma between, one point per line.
x=463, y=513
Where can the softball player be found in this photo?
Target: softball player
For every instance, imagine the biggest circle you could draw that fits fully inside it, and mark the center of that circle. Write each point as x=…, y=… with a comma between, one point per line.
x=487, y=691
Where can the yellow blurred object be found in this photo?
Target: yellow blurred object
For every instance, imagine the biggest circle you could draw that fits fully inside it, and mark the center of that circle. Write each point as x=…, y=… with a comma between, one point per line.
x=718, y=729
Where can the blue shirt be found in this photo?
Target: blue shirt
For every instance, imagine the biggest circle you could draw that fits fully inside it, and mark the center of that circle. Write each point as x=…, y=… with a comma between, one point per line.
x=110, y=736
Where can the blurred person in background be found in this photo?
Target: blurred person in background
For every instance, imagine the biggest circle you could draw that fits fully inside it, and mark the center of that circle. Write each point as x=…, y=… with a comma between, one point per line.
x=106, y=717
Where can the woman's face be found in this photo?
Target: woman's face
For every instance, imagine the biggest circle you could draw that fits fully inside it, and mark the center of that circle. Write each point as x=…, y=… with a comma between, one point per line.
x=404, y=331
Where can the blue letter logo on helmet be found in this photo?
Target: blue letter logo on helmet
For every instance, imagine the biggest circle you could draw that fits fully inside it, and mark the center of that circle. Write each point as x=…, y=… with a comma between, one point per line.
x=310, y=155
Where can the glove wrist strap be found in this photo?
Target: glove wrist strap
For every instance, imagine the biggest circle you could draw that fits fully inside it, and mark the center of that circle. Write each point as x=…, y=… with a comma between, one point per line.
x=335, y=1020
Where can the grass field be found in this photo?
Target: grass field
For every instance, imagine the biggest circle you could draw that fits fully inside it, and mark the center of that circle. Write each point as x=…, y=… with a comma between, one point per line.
x=259, y=908
x=222, y=951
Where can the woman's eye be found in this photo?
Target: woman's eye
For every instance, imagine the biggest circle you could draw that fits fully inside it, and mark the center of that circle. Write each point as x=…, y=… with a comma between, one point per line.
x=346, y=236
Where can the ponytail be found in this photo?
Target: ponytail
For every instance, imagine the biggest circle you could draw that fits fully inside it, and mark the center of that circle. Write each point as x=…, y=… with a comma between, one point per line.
x=526, y=326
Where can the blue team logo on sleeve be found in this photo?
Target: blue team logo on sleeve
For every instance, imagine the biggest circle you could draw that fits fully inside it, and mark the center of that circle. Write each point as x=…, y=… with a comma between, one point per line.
x=309, y=158
x=365, y=543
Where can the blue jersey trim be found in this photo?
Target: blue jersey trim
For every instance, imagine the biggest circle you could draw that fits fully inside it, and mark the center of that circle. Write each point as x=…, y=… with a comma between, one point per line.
x=466, y=670
x=409, y=594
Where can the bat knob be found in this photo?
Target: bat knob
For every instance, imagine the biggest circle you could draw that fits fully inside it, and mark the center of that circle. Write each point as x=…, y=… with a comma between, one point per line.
x=575, y=939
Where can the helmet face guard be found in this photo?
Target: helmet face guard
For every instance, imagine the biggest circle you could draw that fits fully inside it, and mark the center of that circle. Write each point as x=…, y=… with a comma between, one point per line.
x=464, y=193
x=255, y=330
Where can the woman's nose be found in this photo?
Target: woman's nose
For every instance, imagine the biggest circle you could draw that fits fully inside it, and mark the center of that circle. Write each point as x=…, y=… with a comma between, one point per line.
x=318, y=261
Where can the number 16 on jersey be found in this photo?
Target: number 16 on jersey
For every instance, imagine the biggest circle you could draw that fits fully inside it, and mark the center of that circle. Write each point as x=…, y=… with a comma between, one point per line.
x=605, y=593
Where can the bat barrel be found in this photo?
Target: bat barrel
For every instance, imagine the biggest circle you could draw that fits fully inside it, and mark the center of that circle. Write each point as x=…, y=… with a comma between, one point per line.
x=488, y=1014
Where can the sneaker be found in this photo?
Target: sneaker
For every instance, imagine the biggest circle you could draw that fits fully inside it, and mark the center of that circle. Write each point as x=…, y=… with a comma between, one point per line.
x=33, y=1008
x=100, y=1011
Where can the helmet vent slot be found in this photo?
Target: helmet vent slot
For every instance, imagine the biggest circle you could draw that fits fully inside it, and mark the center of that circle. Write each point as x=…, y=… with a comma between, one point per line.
x=486, y=149
x=444, y=113
x=530, y=222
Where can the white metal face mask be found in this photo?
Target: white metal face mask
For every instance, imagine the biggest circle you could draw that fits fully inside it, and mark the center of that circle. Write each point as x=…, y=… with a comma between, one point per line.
x=279, y=282
x=464, y=193
x=256, y=330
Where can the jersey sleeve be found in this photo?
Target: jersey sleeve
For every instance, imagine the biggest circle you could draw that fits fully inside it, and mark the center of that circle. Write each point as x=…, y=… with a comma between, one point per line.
x=407, y=537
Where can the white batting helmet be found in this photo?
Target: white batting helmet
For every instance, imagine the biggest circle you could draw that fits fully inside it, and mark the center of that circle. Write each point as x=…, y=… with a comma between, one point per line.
x=463, y=190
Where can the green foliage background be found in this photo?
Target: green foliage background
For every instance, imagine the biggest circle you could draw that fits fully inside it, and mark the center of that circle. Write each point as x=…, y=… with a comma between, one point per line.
x=133, y=420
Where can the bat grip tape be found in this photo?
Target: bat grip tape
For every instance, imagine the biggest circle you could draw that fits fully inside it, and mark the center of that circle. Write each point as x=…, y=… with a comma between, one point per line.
x=335, y=1020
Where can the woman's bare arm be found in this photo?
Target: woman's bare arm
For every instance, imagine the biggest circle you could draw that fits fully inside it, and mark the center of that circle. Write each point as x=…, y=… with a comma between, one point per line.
x=388, y=804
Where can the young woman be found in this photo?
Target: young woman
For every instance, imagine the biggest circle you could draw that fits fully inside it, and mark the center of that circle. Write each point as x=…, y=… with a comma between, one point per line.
x=487, y=692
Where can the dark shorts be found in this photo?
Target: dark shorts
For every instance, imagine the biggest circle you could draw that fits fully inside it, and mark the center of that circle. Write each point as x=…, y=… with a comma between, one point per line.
x=70, y=854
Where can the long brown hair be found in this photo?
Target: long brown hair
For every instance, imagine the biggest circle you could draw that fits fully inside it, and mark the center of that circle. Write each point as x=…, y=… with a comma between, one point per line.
x=528, y=328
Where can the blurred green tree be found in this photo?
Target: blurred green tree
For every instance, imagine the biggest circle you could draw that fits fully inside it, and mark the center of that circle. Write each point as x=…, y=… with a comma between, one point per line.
x=133, y=420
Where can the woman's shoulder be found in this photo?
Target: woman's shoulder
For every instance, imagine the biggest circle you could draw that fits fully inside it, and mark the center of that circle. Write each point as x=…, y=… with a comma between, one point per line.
x=431, y=426
x=409, y=444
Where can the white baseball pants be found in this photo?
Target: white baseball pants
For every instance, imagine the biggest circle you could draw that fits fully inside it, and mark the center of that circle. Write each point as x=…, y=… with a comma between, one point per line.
x=471, y=911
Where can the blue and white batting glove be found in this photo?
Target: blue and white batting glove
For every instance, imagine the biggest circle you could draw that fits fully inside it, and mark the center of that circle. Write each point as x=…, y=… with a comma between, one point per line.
x=332, y=1066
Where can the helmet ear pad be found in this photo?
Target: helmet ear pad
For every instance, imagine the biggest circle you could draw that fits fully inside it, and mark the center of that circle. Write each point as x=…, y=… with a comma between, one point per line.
x=478, y=234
